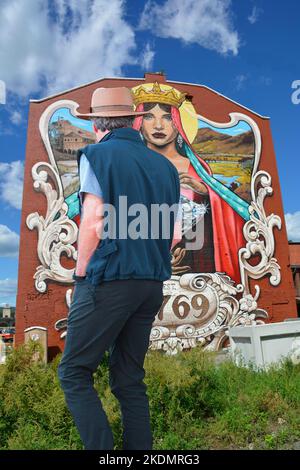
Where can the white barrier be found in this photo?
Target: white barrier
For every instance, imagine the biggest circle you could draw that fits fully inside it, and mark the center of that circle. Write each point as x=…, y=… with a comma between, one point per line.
x=263, y=345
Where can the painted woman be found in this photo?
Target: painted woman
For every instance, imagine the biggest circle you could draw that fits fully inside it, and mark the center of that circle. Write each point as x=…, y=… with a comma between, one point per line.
x=207, y=205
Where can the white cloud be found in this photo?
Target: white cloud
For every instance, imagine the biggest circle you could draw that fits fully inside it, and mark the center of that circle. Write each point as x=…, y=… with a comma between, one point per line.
x=205, y=22
x=2, y=92
x=8, y=290
x=4, y=130
x=9, y=242
x=255, y=14
x=147, y=58
x=53, y=46
x=266, y=80
x=15, y=110
x=240, y=81
x=11, y=183
x=293, y=226
x=16, y=117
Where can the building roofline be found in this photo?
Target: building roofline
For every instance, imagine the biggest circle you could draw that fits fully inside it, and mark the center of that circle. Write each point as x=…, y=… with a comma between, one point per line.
x=223, y=96
x=80, y=86
x=125, y=78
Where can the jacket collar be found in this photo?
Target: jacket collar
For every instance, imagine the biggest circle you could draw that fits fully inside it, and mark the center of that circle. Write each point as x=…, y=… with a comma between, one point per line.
x=126, y=133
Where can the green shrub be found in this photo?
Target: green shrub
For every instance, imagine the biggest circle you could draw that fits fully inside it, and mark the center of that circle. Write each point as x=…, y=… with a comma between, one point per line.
x=194, y=403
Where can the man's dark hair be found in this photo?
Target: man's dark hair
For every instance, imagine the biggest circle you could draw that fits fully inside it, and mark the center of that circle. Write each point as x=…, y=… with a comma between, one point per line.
x=110, y=123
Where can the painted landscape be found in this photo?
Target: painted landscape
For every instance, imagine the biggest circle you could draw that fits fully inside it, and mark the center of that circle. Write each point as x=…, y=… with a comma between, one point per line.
x=66, y=136
x=229, y=156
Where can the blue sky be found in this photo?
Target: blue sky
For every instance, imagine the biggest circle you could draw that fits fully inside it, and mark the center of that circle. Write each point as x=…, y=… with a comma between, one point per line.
x=246, y=50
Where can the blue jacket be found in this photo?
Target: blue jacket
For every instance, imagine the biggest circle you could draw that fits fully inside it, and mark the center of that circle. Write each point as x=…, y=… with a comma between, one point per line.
x=128, y=173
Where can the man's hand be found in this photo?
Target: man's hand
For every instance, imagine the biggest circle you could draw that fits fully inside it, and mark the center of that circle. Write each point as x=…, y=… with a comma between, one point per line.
x=90, y=231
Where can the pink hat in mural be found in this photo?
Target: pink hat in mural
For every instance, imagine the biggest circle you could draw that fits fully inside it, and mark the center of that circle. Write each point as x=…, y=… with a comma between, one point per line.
x=111, y=102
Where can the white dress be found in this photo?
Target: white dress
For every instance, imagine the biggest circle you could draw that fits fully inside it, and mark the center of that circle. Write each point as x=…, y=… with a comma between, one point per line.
x=190, y=212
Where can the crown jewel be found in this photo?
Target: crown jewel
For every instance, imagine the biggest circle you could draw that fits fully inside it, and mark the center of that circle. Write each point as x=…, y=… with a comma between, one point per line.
x=156, y=94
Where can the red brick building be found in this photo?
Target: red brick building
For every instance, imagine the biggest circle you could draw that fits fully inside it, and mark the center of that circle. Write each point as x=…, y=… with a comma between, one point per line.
x=198, y=305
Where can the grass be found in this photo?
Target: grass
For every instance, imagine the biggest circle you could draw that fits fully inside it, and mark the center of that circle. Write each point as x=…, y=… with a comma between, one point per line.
x=194, y=403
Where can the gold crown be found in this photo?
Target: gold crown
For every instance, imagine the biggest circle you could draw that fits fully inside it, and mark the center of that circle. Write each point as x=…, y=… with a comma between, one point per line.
x=157, y=95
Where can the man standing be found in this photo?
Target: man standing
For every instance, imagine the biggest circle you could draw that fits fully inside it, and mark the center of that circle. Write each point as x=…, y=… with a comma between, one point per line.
x=119, y=273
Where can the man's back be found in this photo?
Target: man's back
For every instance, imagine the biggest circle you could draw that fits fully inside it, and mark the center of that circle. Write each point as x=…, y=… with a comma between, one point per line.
x=117, y=315
x=141, y=186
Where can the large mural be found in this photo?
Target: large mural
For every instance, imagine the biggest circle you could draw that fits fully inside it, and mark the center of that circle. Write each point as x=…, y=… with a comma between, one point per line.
x=225, y=237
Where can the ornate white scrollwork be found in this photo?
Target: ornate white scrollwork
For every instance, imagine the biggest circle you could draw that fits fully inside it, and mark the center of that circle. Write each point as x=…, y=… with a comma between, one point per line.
x=56, y=235
x=198, y=309
x=258, y=231
x=56, y=231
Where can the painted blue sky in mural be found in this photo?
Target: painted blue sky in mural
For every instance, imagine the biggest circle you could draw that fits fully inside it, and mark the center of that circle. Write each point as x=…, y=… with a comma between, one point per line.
x=239, y=128
x=247, y=51
x=64, y=113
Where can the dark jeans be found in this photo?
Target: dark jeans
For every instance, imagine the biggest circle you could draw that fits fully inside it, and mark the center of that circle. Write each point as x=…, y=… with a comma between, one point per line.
x=116, y=316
